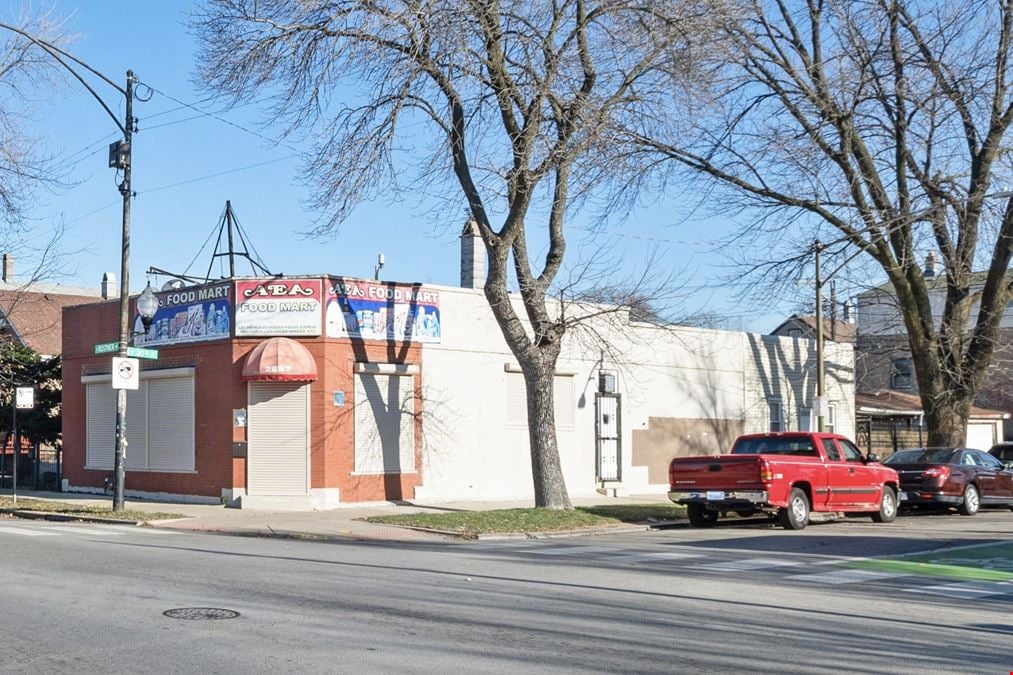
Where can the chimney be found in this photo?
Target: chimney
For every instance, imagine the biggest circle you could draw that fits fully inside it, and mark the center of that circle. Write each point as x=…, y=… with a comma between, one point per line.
x=848, y=314
x=8, y=271
x=930, y=265
x=472, y=256
x=108, y=286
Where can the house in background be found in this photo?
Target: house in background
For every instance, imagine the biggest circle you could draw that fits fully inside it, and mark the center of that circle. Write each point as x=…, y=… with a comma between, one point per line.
x=887, y=421
x=885, y=379
x=803, y=327
x=31, y=315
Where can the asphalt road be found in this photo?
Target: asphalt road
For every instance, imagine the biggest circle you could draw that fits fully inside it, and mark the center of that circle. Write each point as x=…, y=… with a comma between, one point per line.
x=735, y=598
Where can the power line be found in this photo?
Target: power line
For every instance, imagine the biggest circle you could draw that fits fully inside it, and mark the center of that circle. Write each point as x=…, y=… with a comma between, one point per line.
x=216, y=175
x=184, y=104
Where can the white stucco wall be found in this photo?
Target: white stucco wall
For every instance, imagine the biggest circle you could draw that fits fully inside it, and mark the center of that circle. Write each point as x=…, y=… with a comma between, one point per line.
x=472, y=450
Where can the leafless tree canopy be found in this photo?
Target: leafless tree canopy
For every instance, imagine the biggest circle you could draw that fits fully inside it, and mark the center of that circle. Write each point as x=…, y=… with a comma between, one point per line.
x=518, y=105
x=881, y=126
x=27, y=76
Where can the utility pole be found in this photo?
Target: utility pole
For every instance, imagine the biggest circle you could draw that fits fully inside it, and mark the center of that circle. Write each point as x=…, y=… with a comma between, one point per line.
x=123, y=161
x=119, y=158
x=820, y=384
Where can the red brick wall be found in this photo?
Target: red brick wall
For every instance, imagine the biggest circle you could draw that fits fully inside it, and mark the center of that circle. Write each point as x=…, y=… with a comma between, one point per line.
x=219, y=390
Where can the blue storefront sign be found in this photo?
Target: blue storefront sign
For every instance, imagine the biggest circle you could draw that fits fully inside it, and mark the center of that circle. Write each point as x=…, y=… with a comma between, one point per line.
x=196, y=314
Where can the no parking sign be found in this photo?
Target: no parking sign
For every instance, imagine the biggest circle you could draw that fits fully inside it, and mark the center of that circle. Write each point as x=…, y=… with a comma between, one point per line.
x=126, y=373
x=24, y=397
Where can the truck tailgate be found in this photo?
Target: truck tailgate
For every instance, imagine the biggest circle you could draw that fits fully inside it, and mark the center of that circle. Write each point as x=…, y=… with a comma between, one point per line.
x=720, y=472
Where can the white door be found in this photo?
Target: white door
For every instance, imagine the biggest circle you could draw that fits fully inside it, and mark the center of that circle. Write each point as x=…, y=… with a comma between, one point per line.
x=278, y=439
x=980, y=435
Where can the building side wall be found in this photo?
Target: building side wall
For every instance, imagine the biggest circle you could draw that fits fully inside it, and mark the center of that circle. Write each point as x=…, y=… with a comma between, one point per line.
x=683, y=391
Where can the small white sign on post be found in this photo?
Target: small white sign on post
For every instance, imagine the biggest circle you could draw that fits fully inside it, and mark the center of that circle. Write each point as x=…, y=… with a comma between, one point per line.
x=126, y=373
x=24, y=397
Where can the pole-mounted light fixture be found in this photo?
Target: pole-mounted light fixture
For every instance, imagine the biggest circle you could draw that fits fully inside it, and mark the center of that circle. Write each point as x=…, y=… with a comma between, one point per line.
x=147, y=305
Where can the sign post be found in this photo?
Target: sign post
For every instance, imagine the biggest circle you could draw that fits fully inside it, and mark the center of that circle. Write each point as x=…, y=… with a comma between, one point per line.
x=24, y=397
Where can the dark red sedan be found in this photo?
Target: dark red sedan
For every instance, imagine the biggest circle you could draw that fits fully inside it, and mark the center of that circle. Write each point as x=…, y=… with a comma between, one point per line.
x=960, y=477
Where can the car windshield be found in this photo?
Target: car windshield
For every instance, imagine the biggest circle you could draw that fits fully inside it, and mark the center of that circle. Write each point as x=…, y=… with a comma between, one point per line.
x=774, y=446
x=922, y=456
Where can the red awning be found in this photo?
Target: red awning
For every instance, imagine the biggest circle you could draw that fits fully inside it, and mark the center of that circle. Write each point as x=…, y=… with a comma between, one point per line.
x=279, y=359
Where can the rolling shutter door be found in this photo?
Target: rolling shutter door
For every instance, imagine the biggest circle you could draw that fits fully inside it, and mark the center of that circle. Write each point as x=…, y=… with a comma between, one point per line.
x=101, y=422
x=384, y=423
x=278, y=438
x=160, y=422
x=170, y=424
x=137, y=427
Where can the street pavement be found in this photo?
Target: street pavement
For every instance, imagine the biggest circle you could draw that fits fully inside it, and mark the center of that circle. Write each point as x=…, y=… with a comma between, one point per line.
x=343, y=522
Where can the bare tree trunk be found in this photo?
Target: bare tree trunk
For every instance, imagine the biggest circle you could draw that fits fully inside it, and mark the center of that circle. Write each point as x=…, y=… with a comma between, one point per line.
x=546, y=469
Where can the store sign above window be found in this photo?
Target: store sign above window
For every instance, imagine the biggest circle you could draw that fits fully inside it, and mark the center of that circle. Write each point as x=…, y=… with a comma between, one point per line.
x=195, y=314
x=278, y=307
x=375, y=310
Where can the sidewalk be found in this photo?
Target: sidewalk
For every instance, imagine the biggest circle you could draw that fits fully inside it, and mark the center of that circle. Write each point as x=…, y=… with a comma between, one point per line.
x=343, y=522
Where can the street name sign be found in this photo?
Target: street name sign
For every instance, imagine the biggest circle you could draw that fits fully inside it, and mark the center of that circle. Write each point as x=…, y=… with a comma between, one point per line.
x=142, y=353
x=107, y=347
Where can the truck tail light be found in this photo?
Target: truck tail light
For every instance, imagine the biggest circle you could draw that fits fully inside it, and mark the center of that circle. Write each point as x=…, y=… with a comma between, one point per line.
x=766, y=474
x=940, y=472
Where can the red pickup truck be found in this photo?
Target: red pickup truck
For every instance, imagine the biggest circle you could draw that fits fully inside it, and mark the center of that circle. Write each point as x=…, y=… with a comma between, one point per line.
x=789, y=475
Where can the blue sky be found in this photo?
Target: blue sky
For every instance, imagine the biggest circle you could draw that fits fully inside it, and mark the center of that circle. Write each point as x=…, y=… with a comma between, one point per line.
x=187, y=164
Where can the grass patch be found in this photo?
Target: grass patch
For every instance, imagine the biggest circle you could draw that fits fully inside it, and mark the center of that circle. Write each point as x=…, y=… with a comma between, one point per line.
x=502, y=521
x=71, y=509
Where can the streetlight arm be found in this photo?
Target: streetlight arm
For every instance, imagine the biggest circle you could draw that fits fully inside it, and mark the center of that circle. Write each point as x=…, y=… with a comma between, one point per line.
x=57, y=53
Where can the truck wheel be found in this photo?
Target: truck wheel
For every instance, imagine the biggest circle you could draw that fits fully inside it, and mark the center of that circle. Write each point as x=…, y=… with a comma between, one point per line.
x=887, y=507
x=700, y=516
x=971, y=503
x=796, y=515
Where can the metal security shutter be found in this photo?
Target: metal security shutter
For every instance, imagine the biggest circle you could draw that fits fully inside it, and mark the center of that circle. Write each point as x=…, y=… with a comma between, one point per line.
x=517, y=401
x=170, y=424
x=384, y=423
x=100, y=413
x=278, y=439
x=137, y=427
x=563, y=405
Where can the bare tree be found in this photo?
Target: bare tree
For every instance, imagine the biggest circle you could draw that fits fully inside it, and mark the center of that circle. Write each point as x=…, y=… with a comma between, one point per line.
x=27, y=75
x=517, y=105
x=882, y=125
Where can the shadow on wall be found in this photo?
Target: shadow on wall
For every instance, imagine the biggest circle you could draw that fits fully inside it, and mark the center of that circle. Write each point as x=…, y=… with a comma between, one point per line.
x=390, y=398
x=668, y=437
x=786, y=377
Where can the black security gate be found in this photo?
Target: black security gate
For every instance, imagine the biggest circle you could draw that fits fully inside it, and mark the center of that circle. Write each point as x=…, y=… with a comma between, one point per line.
x=608, y=437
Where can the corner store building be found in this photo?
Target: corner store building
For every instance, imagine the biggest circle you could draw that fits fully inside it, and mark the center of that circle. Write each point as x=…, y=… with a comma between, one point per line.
x=315, y=391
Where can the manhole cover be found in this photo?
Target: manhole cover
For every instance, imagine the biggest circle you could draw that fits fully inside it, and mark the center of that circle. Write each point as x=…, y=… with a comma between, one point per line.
x=200, y=613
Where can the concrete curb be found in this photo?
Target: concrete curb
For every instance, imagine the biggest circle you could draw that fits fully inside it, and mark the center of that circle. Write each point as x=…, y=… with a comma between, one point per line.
x=69, y=517
x=550, y=534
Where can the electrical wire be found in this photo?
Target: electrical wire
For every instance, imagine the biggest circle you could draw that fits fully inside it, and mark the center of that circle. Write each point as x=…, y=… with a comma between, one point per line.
x=221, y=119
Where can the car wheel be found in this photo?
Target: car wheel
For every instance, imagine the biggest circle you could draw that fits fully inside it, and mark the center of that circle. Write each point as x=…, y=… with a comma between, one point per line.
x=700, y=516
x=796, y=515
x=971, y=503
x=887, y=507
